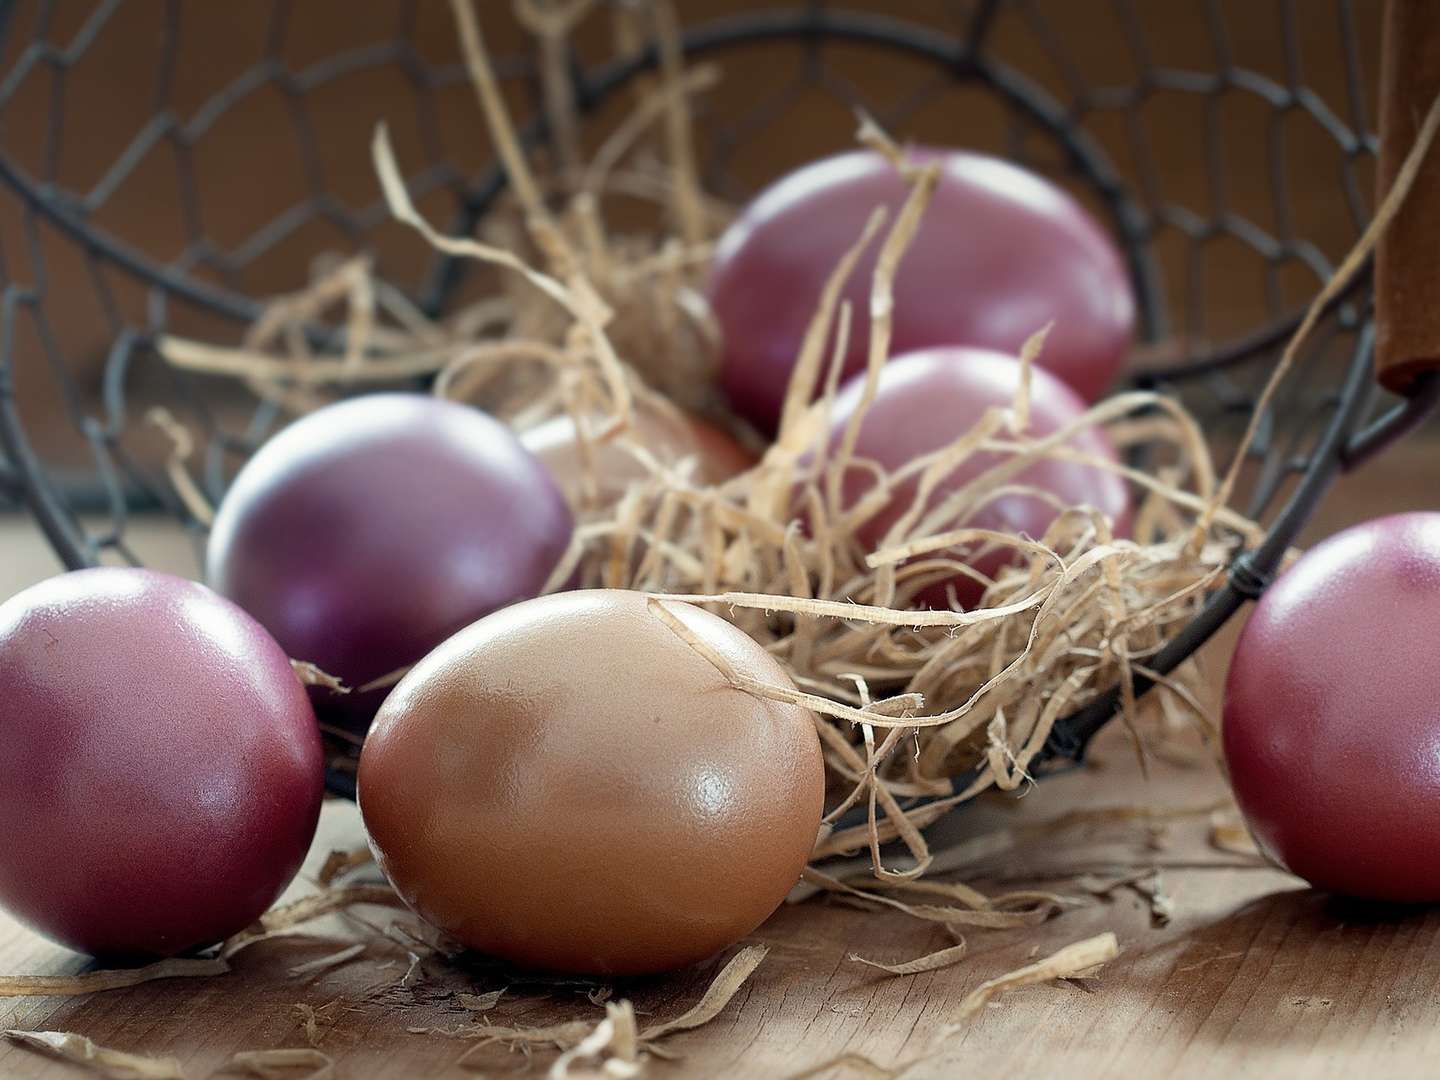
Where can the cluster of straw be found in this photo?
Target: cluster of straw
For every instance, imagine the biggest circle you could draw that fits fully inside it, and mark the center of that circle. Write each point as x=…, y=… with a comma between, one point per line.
x=616, y=325
x=969, y=695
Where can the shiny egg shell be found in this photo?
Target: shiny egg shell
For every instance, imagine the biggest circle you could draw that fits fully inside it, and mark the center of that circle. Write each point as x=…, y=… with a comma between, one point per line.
x=570, y=785
x=1332, y=720
x=928, y=399
x=368, y=531
x=1000, y=252
x=162, y=773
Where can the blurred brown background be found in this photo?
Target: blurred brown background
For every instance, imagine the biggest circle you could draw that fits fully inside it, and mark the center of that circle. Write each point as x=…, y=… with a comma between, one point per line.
x=229, y=143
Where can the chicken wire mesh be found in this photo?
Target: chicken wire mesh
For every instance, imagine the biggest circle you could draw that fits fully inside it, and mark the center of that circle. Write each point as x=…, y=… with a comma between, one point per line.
x=166, y=166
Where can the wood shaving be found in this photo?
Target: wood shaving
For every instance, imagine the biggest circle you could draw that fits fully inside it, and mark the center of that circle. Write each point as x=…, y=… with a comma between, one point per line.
x=95, y=982
x=562, y=1035
x=479, y=1002
x=339, y=863
x=414, y=973
x=115, y=1064
x=1039, y=907
x=1083, y=957
x=1148, y=883
x=312, y=675
x=716, y=997
x=282, y=1064
x=327, y=963
x=285, y=917
x=858, y=1064
x=315, y=1023
x=941, y=958
x=1229, y=834
x=613, y=1043
x=1162, y=904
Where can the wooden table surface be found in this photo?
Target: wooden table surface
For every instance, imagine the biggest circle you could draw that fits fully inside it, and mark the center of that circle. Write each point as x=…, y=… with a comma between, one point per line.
x=1254, y=975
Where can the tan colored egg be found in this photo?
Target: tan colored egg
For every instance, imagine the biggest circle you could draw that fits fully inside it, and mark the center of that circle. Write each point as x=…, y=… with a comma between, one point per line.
x=569, y=785
x=669, y=436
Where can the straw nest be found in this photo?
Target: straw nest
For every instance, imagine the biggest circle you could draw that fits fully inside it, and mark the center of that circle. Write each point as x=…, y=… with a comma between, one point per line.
x=605, y=328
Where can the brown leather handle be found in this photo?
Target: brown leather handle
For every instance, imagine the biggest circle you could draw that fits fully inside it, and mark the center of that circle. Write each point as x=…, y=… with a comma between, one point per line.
x=1407, y=259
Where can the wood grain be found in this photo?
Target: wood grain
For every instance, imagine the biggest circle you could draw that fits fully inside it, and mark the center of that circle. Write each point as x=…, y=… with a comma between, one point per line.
x=1255, y=976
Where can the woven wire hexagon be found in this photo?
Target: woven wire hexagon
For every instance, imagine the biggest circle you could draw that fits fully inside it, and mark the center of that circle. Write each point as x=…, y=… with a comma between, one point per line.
x=169, y=188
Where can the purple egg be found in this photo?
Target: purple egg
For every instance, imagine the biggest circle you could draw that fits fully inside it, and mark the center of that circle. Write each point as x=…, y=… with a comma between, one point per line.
x=1000, y=253
x=928, y=399
x=369, y=531
x=1332, y=720
x=162, y=774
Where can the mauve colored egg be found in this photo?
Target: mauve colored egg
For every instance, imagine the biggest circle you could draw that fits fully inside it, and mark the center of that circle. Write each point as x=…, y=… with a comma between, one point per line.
x=925, y=401
x=570, y=785
x=162, y=773
x=1332, y=717
x=668, y=436
x=1000, y=253
x=369, y=531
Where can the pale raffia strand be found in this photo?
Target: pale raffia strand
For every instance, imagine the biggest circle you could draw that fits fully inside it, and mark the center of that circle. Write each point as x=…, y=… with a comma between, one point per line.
x=182, y=447
x=95, y=982
x=615, y=1042
x=329, y=962
x=101, y=1060
x=282, y=1064
x=286, y=917
x=940, y=958
x=339, y=863
x=1081, y=958
x=552, y=21
x=857, y=1065
x=479, y=1002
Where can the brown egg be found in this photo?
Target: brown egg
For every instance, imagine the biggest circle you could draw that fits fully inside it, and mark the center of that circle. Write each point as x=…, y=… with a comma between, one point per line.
x=569, y=785
x=670, y=436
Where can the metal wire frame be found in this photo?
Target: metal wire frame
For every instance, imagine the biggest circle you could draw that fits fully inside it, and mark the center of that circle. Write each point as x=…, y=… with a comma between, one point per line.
x=1304, y=443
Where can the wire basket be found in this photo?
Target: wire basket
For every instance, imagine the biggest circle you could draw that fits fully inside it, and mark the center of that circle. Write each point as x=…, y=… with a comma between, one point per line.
x=163, y=169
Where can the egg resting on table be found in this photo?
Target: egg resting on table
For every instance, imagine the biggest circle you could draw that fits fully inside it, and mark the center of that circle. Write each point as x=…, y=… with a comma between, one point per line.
x=161, y=775
x=1332, y=720
x=569, y=785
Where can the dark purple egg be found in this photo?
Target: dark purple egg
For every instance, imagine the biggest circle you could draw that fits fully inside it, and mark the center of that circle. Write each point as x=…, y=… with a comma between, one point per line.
x=925, y=401
x=1332, y=718
x=1000, y=253
x=161, y=775
x=369, y=531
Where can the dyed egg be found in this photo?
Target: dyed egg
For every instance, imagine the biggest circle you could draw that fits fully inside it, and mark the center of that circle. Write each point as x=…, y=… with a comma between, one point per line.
x=925, y=401
x=1000, y=253
x=367, y=532
x=569, y=785
x=162, y=772
x=668, y=436
x=1332, y=723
